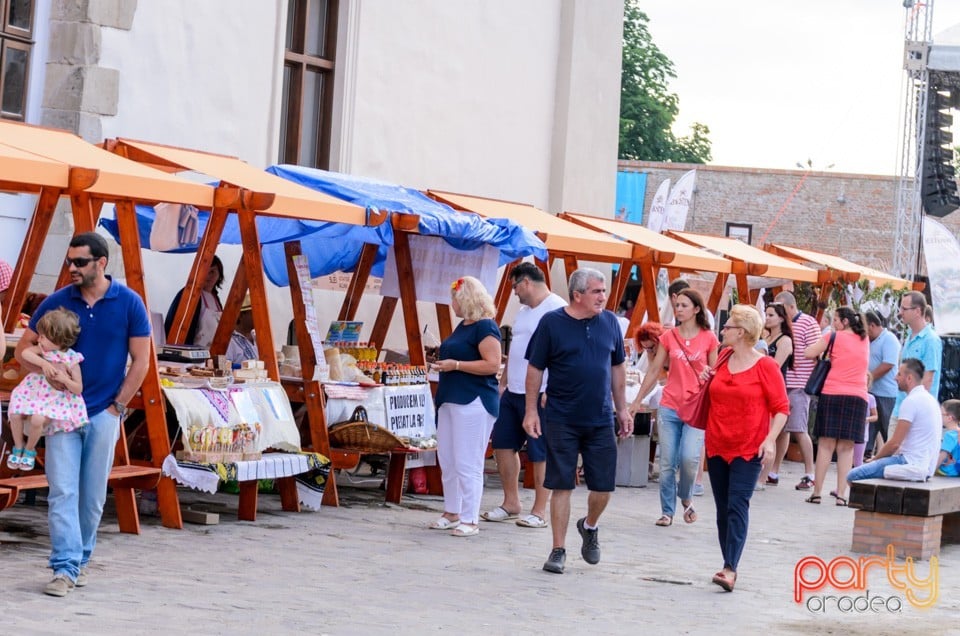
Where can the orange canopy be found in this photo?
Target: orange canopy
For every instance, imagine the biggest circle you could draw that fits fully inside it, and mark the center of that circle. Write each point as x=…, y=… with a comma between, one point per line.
x=665, y=251
x=838, y=264
x=756, y=261
x=115, y=177
x=559, y=235
x=291, y=200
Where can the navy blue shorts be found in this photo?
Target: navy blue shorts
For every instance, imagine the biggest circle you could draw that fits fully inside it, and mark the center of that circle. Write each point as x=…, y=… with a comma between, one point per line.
x=597, y=445
x=508, y=433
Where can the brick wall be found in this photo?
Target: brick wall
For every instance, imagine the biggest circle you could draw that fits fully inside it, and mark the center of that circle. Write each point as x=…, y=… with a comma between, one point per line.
x=848, y=215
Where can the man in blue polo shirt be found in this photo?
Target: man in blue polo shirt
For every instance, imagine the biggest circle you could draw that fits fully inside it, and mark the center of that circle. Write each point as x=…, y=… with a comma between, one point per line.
x=582, y=347
x=113, y=324
x=922, y=343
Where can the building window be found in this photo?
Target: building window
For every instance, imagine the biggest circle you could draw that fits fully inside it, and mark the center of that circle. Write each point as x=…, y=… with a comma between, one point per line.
x=15, y=45
x=308, y=69
x=740, y=231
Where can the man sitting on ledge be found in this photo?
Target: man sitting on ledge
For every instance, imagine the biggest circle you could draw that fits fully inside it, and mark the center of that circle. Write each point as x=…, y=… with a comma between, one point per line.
x=911, y=452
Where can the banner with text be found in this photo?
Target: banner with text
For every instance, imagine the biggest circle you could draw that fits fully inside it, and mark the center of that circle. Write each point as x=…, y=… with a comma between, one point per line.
x=942, y=253
x=436, y=264
x=678, y=204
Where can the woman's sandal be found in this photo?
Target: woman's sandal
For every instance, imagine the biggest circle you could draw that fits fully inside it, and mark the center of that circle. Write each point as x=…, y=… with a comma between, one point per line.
x=814, y=499
x=841, y=501
x=29, y=460
x=664, y=521
x=689, y=514
x=721, y=579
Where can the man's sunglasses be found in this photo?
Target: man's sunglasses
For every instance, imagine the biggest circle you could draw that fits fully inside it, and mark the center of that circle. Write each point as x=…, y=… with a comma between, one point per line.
x=79, y=262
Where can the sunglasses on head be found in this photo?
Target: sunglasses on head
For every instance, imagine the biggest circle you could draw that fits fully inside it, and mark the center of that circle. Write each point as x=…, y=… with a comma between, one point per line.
x=80, y=261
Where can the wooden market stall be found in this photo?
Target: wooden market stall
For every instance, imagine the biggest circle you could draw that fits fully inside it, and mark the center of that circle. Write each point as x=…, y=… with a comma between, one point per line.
x=266, y=196
x=834, y=269
x=653, y=251
x=565, y=241
x=54, y=164
x=746, y=260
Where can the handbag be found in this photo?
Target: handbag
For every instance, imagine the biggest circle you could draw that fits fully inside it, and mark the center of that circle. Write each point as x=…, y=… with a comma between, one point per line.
x=818, y=376
x=696, y=409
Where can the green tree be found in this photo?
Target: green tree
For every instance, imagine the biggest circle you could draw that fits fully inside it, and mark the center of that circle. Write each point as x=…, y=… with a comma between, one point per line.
x=647, y=107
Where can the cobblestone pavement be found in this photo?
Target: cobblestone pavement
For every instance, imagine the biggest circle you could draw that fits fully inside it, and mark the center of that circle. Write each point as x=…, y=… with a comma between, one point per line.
x=369, y=568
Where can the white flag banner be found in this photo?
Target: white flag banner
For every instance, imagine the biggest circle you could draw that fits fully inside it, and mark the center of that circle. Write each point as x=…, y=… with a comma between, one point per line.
x=678, y=204
x=942, y=254
x=658, y=207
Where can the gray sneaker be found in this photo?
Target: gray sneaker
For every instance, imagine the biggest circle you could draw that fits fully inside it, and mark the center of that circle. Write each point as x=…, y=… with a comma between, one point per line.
x=61, y=585
x=590, y=550
x=81, y=578
x=556, y=561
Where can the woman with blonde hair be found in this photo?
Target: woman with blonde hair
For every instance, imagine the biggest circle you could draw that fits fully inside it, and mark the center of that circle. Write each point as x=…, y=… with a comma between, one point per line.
x=748, y=409
x=468, y=401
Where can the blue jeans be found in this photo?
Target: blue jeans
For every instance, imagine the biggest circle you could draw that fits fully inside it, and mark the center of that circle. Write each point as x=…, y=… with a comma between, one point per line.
x=874, y=469
x=732, y=486
x=77, y=466
x=680, y=446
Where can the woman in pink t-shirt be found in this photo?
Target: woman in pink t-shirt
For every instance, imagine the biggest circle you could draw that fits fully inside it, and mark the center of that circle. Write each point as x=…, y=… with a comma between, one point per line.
x=842, y=407
x=690, y=347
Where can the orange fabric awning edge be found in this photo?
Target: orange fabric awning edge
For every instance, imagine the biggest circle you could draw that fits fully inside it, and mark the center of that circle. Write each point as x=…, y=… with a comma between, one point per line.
x=668, y=252
x=762, y=263
x=117, y=178
x=839, y=264
x=291, y=200
x=22, y=167
x=560, y=235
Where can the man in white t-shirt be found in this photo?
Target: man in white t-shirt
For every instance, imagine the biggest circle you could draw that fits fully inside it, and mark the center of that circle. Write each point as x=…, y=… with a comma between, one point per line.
x=913, y=448
x=529, y=284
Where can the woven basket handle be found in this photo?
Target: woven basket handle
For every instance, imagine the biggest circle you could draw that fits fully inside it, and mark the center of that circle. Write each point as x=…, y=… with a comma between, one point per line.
x=359, y=415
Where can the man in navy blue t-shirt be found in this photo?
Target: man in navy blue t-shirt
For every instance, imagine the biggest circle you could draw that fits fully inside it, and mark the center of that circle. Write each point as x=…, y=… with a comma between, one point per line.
x=113, y=324
x=582, y=347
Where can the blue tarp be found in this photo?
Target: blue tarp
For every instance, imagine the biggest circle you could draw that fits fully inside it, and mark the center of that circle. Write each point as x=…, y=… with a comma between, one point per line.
x=631, y=190
x=332, y=247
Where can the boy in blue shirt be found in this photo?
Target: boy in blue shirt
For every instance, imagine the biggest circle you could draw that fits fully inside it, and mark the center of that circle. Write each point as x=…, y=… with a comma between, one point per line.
x=949, y=463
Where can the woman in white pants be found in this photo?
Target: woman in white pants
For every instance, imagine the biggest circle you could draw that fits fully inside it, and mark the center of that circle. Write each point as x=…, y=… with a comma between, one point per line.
x=467, y=402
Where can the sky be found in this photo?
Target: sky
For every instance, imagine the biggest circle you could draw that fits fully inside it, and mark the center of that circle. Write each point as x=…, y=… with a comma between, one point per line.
x=786, y=81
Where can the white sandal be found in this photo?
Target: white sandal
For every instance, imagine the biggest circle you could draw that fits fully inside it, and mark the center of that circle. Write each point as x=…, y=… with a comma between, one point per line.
x=532, y=521
x=444, y=524
x=498, y=514
x=466, y=530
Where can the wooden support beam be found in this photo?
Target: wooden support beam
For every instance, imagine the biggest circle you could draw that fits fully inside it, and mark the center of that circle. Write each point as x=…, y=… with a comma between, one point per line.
x=823, y=299
x=545, y=268
x=312, y=391
x=648, y=295
x=253, y=262
x=619, y=284
x=408, y=297
x=150, y=392
x=716, y=292
x=358, y=282
x=190, y=297
x=743, y=289
x=84, y=220
x=569, y=265
x=231, y=311
x=444, y=322
x=381, y=325
x=502, y=298
x=30, y=251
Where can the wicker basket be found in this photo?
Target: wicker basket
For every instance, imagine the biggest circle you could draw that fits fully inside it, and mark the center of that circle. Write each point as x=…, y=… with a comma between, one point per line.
x=358, y=434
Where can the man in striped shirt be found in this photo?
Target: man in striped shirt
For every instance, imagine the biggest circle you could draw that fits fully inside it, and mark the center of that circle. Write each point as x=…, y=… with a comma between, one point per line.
x=806, y=331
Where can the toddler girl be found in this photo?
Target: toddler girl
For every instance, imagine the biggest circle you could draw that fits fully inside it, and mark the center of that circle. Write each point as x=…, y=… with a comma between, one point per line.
x=35, y=404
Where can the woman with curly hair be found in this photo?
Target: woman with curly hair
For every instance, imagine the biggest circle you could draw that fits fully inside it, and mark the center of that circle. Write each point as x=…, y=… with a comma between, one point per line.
x=468, y=401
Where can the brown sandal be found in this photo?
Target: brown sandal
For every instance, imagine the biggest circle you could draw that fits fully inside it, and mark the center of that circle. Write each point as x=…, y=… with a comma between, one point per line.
x=664, y=521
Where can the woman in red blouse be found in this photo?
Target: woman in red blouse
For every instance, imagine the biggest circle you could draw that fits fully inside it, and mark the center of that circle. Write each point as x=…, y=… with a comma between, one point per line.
x=748, y=409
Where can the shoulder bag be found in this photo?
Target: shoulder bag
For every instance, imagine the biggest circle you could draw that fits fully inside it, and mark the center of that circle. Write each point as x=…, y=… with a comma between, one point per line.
x=697, y=408
x=819, y=374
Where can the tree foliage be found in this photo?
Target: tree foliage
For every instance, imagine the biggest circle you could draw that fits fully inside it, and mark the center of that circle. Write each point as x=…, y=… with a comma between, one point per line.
x=647, y=107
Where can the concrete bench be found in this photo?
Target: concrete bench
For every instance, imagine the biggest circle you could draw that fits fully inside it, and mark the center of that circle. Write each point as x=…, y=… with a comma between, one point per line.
x=914, y=517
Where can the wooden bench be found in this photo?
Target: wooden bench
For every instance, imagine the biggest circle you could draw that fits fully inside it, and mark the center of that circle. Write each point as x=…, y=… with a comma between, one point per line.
x=914, y=517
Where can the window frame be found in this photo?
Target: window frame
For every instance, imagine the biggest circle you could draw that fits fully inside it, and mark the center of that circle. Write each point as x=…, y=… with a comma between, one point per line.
x=12, y=37
x=299, y=63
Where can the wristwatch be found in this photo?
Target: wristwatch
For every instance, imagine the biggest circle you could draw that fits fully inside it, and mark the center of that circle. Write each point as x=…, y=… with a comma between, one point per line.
x=121, y=409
